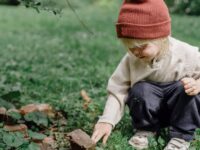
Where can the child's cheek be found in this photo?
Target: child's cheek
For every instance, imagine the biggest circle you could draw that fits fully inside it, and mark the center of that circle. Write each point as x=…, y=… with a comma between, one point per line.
x=149, y=52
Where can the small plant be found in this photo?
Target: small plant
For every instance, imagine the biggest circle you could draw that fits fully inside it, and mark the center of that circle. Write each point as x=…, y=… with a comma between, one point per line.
x=39, y=5
x=15, y=140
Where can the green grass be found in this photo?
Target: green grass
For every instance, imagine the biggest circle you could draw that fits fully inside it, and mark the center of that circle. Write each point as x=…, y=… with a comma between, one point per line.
x=52, y=58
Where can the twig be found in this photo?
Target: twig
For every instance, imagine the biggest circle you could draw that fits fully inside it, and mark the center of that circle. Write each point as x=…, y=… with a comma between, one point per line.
x=77, y=16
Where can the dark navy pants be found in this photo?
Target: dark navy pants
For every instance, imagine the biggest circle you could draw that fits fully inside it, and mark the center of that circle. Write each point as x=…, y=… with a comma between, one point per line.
x=156, y=105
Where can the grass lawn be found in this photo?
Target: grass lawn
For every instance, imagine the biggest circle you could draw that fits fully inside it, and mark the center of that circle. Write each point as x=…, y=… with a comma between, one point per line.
x=51, y=58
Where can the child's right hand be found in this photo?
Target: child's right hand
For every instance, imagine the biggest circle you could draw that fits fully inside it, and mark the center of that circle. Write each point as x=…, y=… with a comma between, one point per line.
x=101, y=130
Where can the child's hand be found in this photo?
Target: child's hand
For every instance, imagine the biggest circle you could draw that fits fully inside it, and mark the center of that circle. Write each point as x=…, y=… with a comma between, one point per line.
x=101, y=130
x=191, y=86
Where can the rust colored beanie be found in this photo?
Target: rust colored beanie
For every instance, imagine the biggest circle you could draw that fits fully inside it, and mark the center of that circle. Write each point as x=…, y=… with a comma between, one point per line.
x=143, y=19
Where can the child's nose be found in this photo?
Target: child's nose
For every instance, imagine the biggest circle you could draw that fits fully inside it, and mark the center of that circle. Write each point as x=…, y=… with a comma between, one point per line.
x=136, y=52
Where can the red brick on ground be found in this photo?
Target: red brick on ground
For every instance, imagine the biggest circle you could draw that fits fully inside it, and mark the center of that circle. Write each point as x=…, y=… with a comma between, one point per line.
x=28, y=109
x=45, y=146
x=13, y=128
x=46, y=108
x=48, y=140
x=3, y=115
x=79, y=140
x=2, y=110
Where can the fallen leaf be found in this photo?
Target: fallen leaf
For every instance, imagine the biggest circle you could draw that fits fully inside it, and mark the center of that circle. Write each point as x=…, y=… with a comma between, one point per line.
x=86, y=98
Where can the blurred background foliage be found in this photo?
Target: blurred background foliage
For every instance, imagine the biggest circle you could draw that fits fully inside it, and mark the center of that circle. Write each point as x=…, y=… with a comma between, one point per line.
x=189, y=7
x=51, y=58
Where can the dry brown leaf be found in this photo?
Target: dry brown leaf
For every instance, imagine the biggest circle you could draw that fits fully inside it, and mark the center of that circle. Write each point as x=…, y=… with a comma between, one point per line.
x=86, y=98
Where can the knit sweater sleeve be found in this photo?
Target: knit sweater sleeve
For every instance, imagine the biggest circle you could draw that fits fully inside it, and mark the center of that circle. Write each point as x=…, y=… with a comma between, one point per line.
x=196, y=61
x=117, y=88
x=197, y=68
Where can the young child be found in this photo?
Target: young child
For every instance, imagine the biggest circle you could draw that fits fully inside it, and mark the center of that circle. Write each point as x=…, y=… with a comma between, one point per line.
x=158, y=78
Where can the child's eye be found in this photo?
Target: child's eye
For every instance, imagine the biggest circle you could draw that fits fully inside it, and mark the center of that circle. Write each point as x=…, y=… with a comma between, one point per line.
x=138, y=48
x=143, y=46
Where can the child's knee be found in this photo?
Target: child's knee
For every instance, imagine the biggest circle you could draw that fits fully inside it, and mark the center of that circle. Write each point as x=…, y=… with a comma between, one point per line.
x=140, y=89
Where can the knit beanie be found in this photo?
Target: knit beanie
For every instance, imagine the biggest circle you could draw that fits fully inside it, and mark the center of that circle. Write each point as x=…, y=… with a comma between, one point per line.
x=143, y=19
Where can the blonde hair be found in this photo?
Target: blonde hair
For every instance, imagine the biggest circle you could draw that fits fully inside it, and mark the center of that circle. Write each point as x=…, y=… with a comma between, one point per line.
x=162, y=43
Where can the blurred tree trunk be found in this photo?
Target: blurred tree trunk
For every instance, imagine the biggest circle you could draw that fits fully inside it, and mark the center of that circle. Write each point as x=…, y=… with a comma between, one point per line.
x=14, y=2
x=10, y=2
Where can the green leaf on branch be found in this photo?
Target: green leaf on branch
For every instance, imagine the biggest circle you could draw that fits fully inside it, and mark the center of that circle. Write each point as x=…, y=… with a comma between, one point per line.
x=38, y=5
x=2, y=145
x=39, y=118
x=6, y=104
x=33, y=146
x=14, y=115
x=13, y=139
x=35, y=135
x=24, y=146
x=11, y=95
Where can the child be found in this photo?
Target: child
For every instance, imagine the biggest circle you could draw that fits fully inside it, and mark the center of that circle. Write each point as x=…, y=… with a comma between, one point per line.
x=158, y=79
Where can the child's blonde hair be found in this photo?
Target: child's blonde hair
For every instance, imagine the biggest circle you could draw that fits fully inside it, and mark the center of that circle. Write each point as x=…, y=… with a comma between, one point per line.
x=162, y=43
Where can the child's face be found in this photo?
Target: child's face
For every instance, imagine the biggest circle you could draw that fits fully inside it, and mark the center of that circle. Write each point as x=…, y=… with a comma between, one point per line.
x=146, y=52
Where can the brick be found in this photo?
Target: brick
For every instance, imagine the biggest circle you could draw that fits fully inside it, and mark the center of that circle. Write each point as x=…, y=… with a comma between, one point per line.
x=28, y=109
x=48, y=140
x=45, y=146
x=79, y=140
x=2, y=111
x=13, y=128
x=13, y=110
x=46, y=108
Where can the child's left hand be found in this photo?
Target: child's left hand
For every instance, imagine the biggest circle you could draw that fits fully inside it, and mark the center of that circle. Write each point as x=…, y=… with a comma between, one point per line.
x=191, y=86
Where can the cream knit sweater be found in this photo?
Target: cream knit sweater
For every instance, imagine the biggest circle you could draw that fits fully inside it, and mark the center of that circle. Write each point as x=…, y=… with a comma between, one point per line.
x=182, y=60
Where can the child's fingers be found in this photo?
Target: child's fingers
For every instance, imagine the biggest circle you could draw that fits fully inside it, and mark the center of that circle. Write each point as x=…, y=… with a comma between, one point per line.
x=105, y=138
x=195, y=92
x=192, y=91
x=185, y=80
x=94, y=135
x=189, y=85
x=186, y=87
x=189, y=90
x=98, y=137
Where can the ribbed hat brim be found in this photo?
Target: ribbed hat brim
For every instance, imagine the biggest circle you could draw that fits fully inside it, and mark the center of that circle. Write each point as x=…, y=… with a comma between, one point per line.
x=150, y=31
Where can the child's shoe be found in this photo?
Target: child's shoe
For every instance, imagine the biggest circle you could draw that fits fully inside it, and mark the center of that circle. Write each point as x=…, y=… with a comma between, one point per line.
x=177, y=144
x=140, y=140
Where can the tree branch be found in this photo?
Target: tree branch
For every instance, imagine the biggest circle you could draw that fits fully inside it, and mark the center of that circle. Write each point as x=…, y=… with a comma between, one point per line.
x=77, y=16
